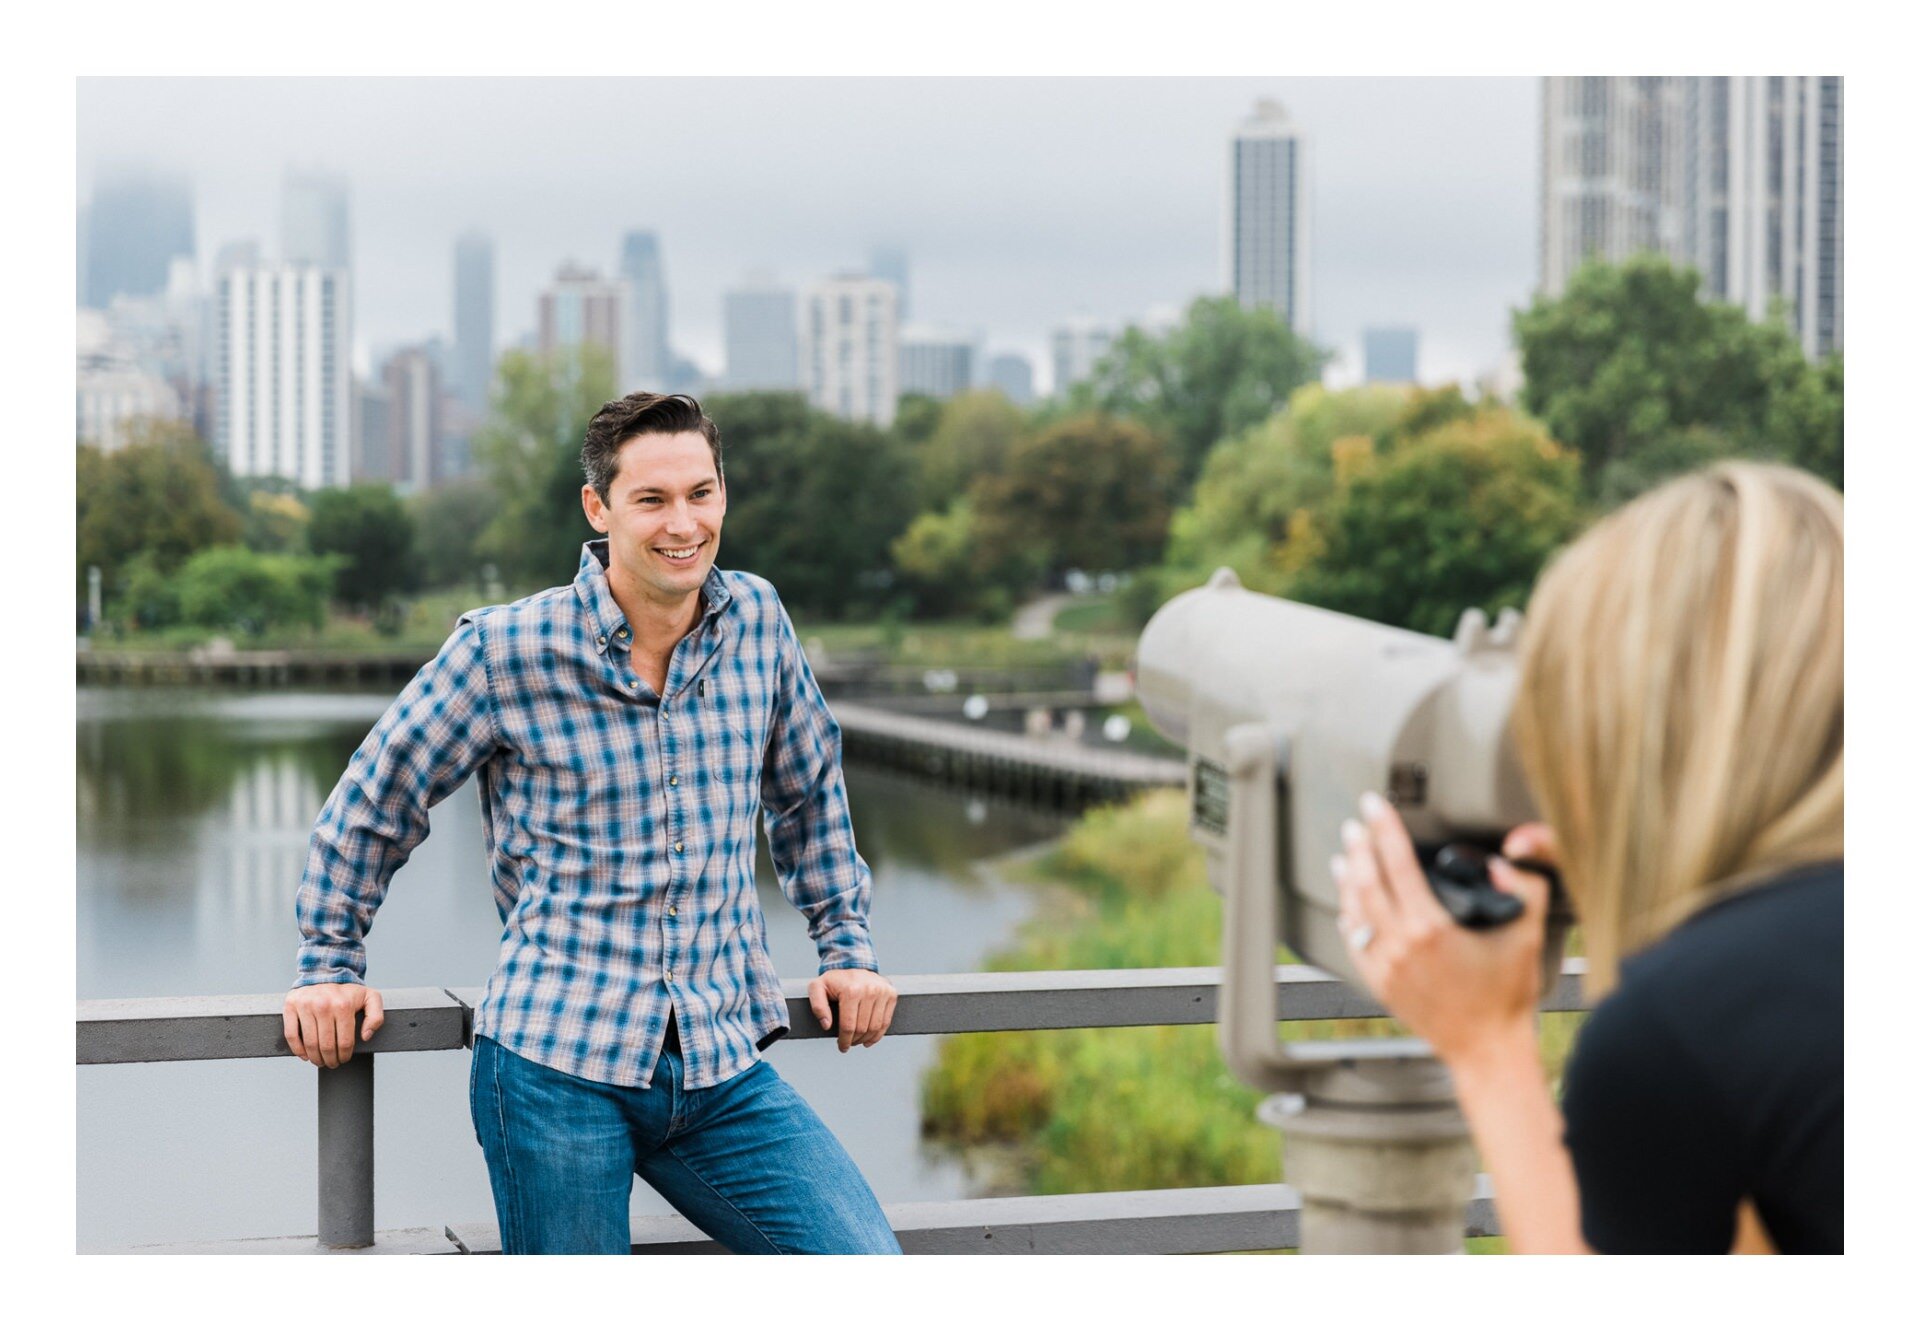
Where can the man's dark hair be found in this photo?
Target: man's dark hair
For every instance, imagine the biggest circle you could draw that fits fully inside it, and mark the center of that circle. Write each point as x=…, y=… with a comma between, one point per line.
x=636, y=414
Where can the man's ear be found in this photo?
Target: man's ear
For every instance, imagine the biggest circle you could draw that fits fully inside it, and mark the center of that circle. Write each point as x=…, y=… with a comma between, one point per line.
x=595, y=510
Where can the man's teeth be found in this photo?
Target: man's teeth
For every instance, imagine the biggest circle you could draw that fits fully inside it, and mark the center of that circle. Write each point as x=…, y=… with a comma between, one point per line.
x=687, y=553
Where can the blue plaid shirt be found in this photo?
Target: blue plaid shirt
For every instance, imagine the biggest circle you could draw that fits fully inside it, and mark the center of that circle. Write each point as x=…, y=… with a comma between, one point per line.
x=620, y=824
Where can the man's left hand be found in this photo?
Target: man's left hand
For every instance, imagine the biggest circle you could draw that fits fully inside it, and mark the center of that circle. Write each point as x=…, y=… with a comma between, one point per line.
x=865, y=1000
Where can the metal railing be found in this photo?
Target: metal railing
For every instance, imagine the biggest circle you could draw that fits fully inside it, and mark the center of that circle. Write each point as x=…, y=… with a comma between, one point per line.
x=1225, y=1219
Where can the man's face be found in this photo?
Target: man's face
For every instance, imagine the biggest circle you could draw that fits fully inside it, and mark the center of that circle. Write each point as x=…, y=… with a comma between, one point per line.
x=662, y=515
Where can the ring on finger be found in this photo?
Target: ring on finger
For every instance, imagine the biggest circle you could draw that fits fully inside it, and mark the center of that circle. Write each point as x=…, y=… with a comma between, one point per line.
x=1359, y=937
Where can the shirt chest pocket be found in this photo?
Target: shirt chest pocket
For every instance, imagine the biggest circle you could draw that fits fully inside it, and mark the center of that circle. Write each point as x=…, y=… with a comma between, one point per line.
x=734, y=714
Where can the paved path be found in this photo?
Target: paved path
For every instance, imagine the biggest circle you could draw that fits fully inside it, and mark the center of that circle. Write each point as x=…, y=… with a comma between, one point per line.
x=1035, y=619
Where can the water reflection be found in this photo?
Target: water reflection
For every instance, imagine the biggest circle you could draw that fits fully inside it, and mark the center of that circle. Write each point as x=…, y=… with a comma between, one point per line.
x=194, y=810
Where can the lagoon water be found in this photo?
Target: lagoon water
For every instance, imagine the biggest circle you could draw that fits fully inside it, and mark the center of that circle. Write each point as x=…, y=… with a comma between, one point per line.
x=194, y=809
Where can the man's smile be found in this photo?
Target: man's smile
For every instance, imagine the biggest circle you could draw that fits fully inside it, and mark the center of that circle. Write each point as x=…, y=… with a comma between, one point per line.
x=684, y=554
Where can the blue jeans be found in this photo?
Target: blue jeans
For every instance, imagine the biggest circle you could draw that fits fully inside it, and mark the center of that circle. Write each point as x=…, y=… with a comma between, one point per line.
x=747, y=1161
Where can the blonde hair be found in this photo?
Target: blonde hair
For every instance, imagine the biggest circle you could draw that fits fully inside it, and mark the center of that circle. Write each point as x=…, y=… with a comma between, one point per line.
x=1680, y=707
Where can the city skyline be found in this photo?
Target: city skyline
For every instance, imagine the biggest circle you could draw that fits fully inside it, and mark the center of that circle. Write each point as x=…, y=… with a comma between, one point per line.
x=1425, y=193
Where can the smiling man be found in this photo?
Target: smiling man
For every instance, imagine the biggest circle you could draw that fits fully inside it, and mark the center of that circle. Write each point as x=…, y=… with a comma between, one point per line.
x=627, y=729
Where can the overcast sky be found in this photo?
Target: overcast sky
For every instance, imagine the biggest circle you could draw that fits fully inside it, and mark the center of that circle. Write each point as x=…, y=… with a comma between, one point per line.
x=1019, y=201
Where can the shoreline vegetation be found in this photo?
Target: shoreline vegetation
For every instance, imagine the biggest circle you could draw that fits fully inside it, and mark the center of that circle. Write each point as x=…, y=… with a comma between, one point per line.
x=1109, y=1110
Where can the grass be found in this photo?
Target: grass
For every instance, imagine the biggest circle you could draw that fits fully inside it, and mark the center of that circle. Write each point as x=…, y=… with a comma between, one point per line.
x=422, y=625
x=1104, y=1110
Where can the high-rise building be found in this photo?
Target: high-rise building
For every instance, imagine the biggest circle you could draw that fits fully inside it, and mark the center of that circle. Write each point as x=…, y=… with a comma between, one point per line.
x=1737, y=177
x=1268, y=217
x=136, y=225
x=313, y=220
x=1391, y=355
x=472, y=374
x=889, y=264
x=646, y=362
x=112, y=390
x=852, y=347
x=1078, y=346
x=411, y=380
x=580, y=307
x=763, y=338
x=935, y=362
x=1012, y=374
x=283, y=382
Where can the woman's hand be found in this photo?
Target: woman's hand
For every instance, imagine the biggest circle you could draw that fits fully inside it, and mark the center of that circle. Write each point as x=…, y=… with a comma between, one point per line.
x=1464, y=991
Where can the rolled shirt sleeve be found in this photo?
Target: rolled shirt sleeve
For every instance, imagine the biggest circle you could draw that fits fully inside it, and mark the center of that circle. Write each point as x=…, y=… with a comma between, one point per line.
x=809, y=828
x=429, y=741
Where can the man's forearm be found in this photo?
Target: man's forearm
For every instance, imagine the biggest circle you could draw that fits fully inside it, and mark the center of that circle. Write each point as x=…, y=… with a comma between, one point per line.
x=1516, y=1126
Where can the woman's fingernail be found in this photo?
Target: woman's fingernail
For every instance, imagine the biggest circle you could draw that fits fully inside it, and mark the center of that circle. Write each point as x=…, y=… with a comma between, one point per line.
x=1339, y=865
x=1353, y=834
x=1372, y=806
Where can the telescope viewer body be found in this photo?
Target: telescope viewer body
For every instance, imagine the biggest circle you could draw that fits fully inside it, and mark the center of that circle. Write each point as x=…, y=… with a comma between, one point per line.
x=1289, y=713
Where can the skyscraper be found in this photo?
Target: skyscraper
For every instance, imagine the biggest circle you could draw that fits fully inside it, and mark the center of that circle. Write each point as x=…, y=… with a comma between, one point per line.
x=283, y=403
x=313, y=220
x=413, y=417
x=136, y=225
x=1268, y=209
x=1012, y=374
x=935, y=362
x=1738, y=177
x=473, y=319
x=852, y=347
x=763, y=342
x=889, y=264
x=1078, y=346
x=580, y=307
x=646, y=361
x=1391, y=355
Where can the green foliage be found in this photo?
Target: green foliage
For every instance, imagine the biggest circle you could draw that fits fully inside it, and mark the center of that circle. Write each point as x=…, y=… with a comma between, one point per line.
x=1220, y=371
x=813, y=502
x=1465, y=515
x=1093, y=493
x=916, y=417
x=160, y=495
x=275, y=521
x=232, y=587
x=530, y=450
x=1630, y=361
x=934, y=559
x=371, y=534
x=975, y=434
x=447, y=522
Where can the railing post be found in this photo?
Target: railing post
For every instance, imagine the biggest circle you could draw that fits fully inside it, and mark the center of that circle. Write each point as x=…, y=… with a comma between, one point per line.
x=346, y=1154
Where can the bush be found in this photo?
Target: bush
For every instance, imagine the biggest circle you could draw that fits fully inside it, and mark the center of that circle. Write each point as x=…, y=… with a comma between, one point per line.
x=231, y=587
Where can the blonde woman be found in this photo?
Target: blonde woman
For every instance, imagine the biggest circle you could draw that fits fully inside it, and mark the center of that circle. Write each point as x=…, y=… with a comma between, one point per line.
x=1679, y=718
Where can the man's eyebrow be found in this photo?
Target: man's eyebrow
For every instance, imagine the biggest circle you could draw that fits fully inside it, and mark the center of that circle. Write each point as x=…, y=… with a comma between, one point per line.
x=707, y=484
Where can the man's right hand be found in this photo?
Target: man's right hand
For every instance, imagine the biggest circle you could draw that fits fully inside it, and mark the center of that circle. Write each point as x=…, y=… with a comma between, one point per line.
x=320, y=1019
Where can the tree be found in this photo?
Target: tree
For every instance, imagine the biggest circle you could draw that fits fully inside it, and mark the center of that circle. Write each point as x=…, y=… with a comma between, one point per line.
x=1463, y=515
x=1630, y=359
x=935, y=558
x=975, y=434
x=1258, y=488
x=1222, y=369
x=530, y=450
x=159, y=495
x=276, y=521
x=447, y=522
x=1093, y=492
x=372, y=535
x=813, y=502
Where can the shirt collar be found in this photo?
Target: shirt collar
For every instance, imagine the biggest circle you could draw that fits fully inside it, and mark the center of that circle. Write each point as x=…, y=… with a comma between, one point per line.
x=596, y=595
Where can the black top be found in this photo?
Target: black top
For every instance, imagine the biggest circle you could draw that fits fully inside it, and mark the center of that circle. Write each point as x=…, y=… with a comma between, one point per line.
x=1713, y=1073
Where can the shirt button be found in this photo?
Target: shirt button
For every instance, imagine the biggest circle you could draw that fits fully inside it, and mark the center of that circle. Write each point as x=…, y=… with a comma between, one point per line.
x=669, y=975
x=602, y=640
x=633, y=683
x=676, y=847
x=623, y=633
x=673, y=910
x=673, y=780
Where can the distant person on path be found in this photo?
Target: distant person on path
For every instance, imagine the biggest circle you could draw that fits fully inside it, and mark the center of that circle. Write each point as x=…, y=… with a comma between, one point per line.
x=1680, y=720
x=627, y=730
